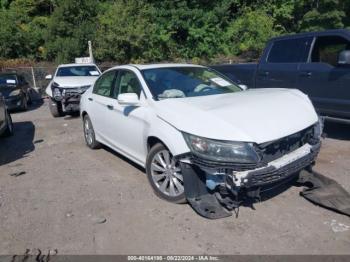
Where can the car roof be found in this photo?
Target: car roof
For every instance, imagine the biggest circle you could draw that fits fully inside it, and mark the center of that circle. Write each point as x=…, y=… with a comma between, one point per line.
x=313, y=34
x=153, y=66
x=69, y=65
x=8, y=73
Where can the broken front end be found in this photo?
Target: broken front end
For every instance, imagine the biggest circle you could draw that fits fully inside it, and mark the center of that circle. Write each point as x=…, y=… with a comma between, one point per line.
x=69, y=97
x=216, y=187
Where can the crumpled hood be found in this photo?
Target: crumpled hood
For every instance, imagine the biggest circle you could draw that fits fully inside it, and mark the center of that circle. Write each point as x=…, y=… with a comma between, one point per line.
x=73, y=81
x=255, y=115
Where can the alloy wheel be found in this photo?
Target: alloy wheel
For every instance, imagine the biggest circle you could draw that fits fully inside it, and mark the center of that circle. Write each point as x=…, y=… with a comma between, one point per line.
x=166, y=174
x=88, y=132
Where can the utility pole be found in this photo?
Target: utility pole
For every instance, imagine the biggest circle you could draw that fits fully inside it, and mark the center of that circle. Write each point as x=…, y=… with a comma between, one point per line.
x=90, y=52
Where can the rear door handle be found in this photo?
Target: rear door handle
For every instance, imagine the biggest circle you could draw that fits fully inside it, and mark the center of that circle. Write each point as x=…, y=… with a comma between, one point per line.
x=264, y=73
x=91, y=99
x=110, y=107
x=307, y=74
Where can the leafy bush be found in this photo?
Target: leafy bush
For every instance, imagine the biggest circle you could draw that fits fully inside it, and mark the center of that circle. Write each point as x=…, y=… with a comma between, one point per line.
x=152, y=30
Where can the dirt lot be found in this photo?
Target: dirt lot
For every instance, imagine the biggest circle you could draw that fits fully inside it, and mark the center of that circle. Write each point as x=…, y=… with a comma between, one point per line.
x=68, y=191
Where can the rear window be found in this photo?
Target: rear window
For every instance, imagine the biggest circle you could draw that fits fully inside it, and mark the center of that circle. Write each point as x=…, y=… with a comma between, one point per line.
x=8, y=79
x=289, y=51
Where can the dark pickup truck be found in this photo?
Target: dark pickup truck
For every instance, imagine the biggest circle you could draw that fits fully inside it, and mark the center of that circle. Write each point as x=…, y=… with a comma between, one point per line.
x=316, y=63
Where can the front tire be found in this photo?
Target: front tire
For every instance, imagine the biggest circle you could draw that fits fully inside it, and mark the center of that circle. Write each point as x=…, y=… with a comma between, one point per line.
x=164, y=174
x=24, y=106
x=89, y=133
x=9, y=126
x=55, y=108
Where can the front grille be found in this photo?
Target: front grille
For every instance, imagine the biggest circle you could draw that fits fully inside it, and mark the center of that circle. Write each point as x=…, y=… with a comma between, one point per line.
x=273, y=150
x=72, y=93
x=271, y=175
x=223, y=167
x=268, y=152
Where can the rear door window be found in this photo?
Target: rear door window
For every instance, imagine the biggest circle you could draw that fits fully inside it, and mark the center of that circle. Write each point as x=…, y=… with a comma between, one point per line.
x=290, y=50
x=327, y=48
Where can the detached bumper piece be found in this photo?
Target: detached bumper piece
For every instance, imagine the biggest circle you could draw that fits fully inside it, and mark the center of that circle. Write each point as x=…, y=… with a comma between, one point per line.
x=215, y=192
x=325, y=192
x=200, y=198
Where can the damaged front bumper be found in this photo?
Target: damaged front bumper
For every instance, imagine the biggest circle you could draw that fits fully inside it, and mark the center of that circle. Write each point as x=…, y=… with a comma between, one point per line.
x=215, y=189
x=69, y=98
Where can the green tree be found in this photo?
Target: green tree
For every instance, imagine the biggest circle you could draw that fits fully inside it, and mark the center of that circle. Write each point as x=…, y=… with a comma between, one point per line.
x=124, y=31
x=249, y=33
x=153, y=30
x=13, y=36
x=71, y=25
x=324, y=14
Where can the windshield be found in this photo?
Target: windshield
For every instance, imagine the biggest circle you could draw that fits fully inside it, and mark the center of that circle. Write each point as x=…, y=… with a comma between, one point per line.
x=77, y=71
x=7, y=79
x=177, y=82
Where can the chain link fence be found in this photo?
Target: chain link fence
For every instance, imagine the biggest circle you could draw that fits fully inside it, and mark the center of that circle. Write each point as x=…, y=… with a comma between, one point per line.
x=35, y=75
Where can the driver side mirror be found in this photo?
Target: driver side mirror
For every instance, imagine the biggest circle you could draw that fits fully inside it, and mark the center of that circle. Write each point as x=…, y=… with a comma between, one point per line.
x=344, y=57
x=48, y=77
x=128, y=99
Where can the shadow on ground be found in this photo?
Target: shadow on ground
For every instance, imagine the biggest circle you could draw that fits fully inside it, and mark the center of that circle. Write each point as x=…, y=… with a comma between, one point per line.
x=33, y=106
x=116, y=154
x=19, y=145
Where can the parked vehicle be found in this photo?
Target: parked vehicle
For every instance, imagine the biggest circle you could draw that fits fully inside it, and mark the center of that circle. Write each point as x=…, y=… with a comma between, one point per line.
x=316, y=63
x=68, y=83
x=16, y=91
x=6, y=126
x=199, y=135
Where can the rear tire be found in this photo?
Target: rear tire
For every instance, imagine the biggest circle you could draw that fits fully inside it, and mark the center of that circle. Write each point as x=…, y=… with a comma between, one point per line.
x=164, y=174
x=89, y=133
x=55, y=108
x=9, y=126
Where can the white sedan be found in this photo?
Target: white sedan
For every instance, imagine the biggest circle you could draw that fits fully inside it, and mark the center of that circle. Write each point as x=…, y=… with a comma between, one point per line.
x=68, y=83
x=199, y=134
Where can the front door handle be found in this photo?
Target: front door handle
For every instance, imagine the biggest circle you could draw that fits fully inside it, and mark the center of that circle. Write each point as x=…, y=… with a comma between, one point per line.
x=91, y=99
x=110, y=107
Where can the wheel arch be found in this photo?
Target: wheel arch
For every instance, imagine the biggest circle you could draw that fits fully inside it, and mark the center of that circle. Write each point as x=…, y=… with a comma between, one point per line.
x=83, y=114
x=152, y=141
x=169, y=136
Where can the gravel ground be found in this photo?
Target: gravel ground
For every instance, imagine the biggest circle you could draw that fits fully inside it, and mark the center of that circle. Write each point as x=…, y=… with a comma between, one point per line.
x=78, y=201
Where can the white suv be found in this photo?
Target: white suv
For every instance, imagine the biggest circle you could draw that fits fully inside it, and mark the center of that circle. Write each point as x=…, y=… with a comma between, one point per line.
x=199, y=136
x=68, y=83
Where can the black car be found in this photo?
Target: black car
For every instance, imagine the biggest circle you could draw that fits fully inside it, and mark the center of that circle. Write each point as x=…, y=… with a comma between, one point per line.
x=6, y=126
x=317, y=63
x=15, y=90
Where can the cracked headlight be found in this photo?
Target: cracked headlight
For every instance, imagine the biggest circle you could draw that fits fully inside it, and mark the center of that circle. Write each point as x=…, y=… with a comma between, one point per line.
x=16, y=92
x=225, y=151
x=56, y=92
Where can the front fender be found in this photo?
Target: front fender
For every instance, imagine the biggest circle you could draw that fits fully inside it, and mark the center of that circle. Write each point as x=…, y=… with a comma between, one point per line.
x=48, y=90
x=169, y=135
